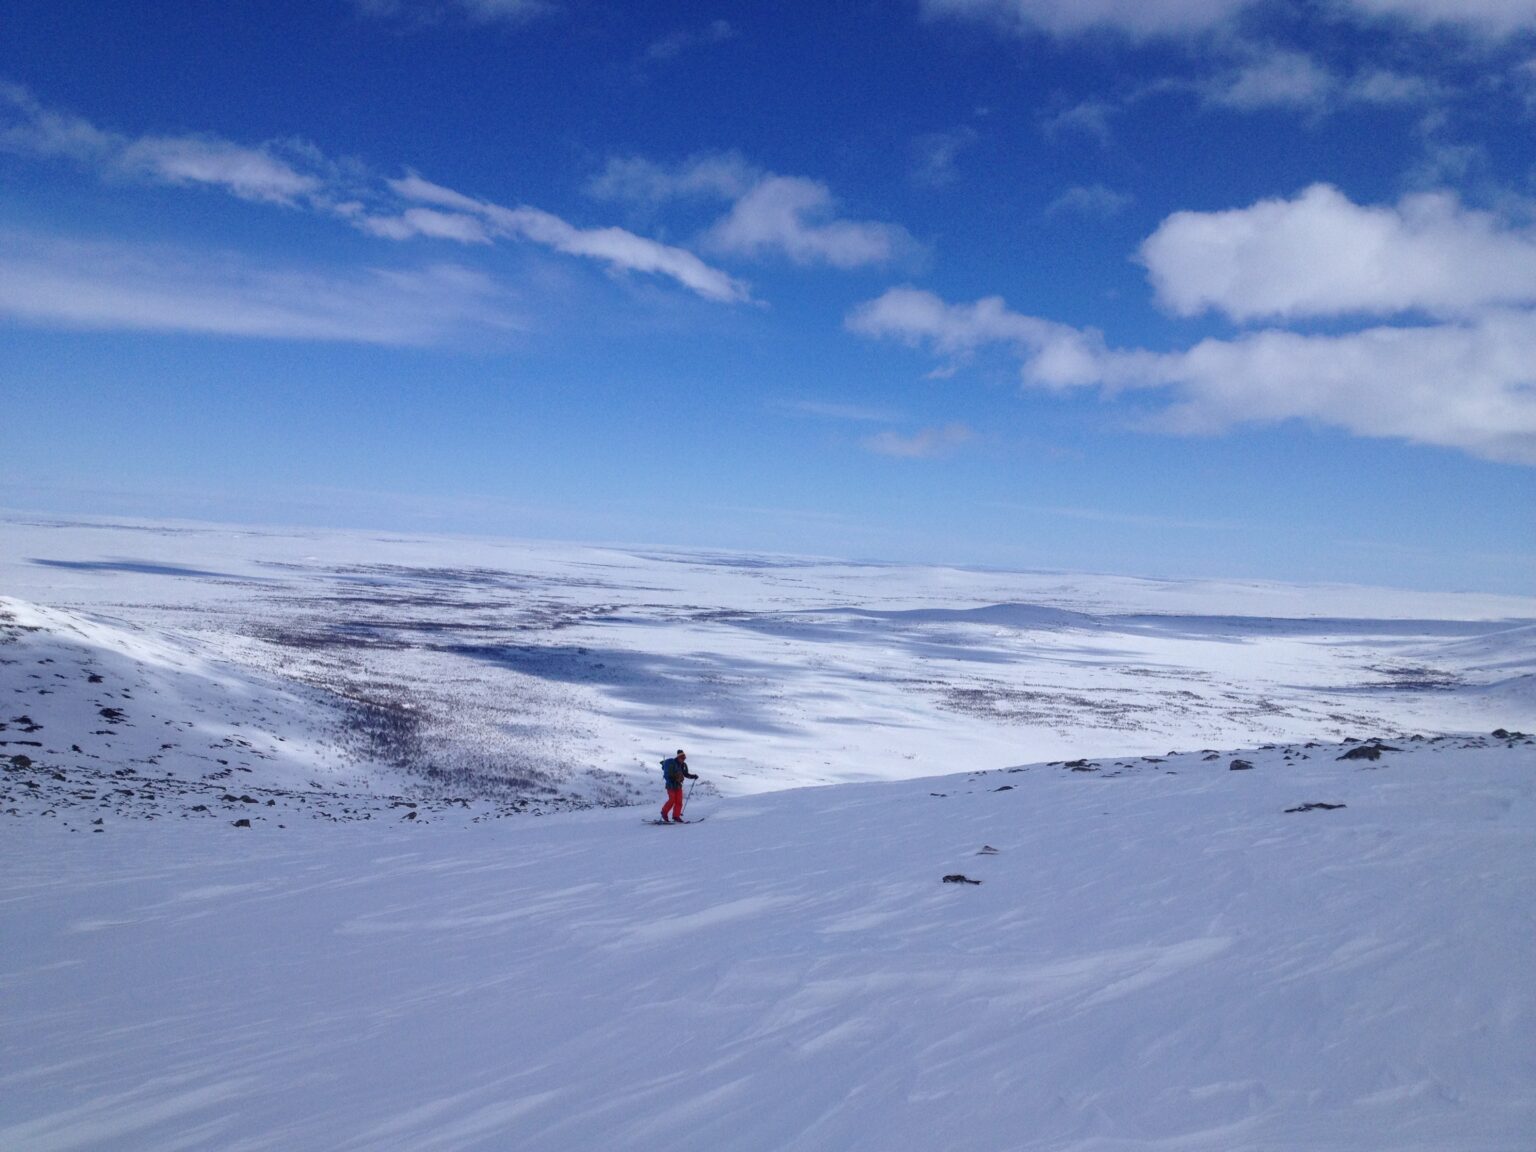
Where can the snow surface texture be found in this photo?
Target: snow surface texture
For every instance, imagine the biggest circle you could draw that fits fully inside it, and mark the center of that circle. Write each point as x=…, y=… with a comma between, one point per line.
x=254, y=897
x=551, y=676
x=1161, y=954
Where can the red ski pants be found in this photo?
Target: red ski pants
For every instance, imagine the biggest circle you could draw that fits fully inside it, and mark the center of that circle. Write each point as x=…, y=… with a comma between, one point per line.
x=674, y=804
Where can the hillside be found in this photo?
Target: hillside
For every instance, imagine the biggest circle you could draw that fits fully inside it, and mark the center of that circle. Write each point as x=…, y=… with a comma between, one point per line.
x=1159, y=954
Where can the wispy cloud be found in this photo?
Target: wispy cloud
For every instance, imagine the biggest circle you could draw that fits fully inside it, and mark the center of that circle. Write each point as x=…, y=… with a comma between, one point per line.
x=769, y=215
x=454, y=215
x=855, y=413
x=924, y=444
x=261, y=173
x=674, y=44
x=1274, y=79
x=480, y=11
x=295, y=174
x=70, y=283
x=1090, y=200
x=1145, y=19
x=934, y=156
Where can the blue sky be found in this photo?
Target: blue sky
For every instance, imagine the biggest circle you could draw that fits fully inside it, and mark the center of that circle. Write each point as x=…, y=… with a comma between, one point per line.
x=1164, y=287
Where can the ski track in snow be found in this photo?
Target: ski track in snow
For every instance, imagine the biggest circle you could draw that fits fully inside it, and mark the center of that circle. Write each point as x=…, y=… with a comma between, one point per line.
x=1167, y=950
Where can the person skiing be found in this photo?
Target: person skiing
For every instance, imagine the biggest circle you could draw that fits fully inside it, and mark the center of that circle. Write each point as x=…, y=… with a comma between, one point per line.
x=675, y=769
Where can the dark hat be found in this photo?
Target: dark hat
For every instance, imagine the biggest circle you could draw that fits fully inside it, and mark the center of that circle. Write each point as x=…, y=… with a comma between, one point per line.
x=681, y=755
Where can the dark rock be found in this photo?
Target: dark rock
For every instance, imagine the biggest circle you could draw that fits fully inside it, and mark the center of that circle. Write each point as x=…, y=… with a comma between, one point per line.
x=1239, y=766
x=987, y=850
x=242, y=823
x=1316, y=807
x=957, y=878
x=1371, y=751
x=1004, y=788
x=21, y=761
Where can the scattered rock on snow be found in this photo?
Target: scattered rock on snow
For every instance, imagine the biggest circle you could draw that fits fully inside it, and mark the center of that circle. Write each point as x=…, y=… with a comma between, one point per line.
x=1316, y=807
x=958, y=878
x=1239, y=766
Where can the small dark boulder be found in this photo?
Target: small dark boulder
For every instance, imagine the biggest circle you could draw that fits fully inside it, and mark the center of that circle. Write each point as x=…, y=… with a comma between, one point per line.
x=1240, y=766
x=20, y=761
x=242, y=823
x=1318, y=807
x=1004, y=788
x=957, y=878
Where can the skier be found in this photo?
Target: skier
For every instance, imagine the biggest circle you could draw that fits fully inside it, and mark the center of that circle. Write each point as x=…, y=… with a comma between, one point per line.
x=675, y=769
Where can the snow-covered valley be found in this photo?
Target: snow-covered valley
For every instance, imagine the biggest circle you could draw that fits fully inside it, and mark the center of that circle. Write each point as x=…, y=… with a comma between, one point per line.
x=325, y=841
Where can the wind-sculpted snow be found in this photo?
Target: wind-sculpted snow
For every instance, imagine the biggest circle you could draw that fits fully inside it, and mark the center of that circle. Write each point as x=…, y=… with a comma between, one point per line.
x=1309, y=954
x=545, y=676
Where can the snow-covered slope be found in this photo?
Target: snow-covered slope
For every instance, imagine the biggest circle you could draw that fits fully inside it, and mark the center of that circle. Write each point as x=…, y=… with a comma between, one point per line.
x=1167, y=953
x=558, y=675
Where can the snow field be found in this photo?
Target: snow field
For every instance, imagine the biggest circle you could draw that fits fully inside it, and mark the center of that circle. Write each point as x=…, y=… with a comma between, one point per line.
x=1159, y=956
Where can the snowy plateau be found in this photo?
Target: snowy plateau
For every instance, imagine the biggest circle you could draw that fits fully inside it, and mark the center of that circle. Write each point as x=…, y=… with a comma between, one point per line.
x=340, y=841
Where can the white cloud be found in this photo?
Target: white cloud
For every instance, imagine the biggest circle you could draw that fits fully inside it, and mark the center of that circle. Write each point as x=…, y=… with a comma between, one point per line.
x=67, y=283
x=713, y=175
x=796, y=217
x=1090, y=200
x=1157, y=18
x=249, y=173
x=1063, y=355
x=1384, y=86
x=1091, y=118
x=1279, y=79
x=30, y=128
x=1491, y=17
x=1470, y=386
x=621, y=250
x=402, y=209
x=1322, y=255
x=1069, y=17
x=769, y=215
x=428, y=222
x=924, y=444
